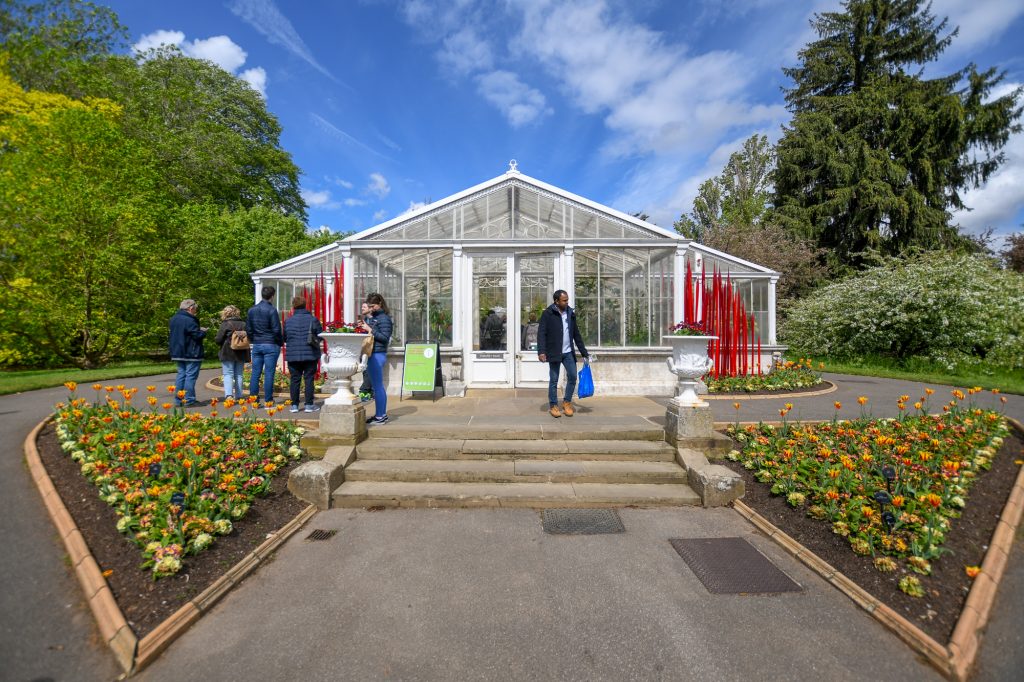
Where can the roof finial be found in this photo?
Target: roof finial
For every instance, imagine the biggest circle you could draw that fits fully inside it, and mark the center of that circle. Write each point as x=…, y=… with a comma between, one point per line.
x=512, y=166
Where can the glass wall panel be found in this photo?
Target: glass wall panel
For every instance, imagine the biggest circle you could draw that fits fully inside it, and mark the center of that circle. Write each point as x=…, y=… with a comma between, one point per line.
x=585, y=298
x=662, y=283
x=584, y=224
x=439, y=305
x=527, y=209
x=499, y=220
x=551, y=218
x=610, y=271
x=637, y=299
x=609, y=229
x=474, y=217
x=416, y=231
x=365, y=278
x=441, y=225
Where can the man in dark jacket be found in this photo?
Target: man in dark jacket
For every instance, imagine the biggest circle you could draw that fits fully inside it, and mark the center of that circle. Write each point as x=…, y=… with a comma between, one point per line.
x=186, y=345
x=263, y=327
x=302, y=356
x=556, y=337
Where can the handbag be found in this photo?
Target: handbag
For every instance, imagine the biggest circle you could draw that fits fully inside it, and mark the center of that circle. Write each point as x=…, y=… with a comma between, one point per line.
x=586, y=388
x=311, y=339
x=239, y=340
x=367, y=347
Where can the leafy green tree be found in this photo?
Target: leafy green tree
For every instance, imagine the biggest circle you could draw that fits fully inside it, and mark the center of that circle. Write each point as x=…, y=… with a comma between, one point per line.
x=739, y=197
x=876, y=156
x=44, y=39
x=82, y=216
x=1013, y=254
x=224, y=246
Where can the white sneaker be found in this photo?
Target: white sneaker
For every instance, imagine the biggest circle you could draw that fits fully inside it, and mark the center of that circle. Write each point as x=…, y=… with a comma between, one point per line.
x=294, y=408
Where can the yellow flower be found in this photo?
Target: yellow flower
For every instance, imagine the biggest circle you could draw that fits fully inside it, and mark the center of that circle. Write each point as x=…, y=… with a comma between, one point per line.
x=972, y=571
x=70, y=385
x=862, y=400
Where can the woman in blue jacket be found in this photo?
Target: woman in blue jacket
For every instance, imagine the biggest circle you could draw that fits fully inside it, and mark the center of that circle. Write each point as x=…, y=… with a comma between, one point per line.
x=302, y=356
x=381, y=327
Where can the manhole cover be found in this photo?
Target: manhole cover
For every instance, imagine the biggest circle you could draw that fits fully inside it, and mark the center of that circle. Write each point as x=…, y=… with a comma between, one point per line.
x=321, y=535
x=732, y=566
x=582, y=521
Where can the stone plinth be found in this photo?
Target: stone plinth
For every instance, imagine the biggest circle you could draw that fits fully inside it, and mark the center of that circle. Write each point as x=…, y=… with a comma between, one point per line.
x=315, y=481
x=687, y=423
x=343, y=421
x=717, y=485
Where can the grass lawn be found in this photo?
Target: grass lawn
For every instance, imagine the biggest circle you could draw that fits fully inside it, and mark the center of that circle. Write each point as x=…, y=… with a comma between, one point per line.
x=1007, y=381
x=30, y=379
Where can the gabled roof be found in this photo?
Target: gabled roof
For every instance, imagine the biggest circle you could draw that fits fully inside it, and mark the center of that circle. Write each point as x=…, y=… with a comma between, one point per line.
x=514, y=177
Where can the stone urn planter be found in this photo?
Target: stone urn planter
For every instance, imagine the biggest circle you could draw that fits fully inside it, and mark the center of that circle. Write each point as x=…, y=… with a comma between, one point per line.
x=343, y=359
x=689, y=362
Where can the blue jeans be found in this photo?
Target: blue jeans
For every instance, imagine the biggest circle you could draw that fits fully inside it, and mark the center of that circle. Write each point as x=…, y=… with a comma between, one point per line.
x=232, y=373
x=188, y=372
x=569, y=362
x=375, y=366
x=264, y=361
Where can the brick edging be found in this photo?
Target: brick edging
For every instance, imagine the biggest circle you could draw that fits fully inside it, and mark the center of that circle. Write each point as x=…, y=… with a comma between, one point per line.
x=133, y=654
x=956, y=658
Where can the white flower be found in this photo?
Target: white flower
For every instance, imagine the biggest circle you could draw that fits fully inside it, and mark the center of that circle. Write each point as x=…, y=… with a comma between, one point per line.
x=112, y=498
x=124, y=523
x=202, y=541
x=88, y=468
x=168, y=565
x=222, y=526
x=957, y=501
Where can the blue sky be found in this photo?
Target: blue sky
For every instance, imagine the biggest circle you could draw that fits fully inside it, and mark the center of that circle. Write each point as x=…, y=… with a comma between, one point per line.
x=389, y=104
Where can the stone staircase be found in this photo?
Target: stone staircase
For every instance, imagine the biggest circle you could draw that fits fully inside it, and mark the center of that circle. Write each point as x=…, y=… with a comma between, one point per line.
x=531, y=465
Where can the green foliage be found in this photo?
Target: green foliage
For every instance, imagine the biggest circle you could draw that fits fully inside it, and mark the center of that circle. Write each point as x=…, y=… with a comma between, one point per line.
x=876, y=157
x=1013, y=254
x=786, y=377
x=82, y=212
x=953, y=310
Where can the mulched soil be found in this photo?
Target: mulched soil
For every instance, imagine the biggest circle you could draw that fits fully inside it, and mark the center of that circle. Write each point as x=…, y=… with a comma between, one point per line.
x=145, y=602
x=946, y=588
x=820, y=386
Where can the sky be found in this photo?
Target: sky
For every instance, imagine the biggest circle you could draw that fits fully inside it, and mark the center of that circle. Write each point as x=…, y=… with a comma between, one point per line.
x=387, y=105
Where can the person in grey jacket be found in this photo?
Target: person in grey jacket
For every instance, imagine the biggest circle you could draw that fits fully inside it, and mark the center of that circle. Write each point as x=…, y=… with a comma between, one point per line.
x=263, y=326
x=232, y=361
x=381, y=327
x=302, y=356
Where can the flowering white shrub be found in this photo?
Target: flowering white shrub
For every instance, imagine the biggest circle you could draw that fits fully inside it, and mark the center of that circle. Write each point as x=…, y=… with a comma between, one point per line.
x=951, y=309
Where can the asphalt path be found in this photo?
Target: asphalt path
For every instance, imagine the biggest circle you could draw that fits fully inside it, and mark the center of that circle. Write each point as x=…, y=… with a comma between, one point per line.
x=47, y=631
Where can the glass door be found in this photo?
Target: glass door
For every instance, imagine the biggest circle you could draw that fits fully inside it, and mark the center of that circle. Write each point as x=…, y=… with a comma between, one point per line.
x=492, y=331
x=534, y=285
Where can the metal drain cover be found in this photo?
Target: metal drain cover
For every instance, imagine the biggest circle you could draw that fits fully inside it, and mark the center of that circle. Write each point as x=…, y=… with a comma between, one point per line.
x=732, y=566
x=582, y=521
x=321, y=535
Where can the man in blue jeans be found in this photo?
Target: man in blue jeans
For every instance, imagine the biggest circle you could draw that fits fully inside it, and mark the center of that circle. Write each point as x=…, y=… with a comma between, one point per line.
x=556, y=337
x=186, y=346
x=263, y=327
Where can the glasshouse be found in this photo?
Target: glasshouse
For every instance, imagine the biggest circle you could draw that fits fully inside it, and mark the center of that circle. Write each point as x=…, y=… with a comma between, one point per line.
x=473, y=270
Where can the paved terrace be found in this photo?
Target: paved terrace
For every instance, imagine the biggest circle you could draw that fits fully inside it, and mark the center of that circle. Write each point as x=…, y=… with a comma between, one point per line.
x=483, y=594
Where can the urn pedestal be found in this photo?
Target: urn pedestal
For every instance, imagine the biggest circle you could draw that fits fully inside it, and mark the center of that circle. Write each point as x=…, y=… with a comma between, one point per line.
x=343, y=414
x=688, y=419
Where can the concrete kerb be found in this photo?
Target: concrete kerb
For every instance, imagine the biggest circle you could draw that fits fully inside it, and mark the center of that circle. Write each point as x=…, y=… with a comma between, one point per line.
x=957, y=657
x=132, y=653
x=832, y=388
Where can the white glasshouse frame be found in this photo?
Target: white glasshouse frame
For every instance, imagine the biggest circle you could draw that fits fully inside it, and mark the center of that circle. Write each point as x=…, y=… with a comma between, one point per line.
x=442, y=226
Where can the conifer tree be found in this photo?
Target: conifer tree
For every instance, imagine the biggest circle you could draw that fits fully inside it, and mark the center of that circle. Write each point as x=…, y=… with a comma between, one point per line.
x=877, y=156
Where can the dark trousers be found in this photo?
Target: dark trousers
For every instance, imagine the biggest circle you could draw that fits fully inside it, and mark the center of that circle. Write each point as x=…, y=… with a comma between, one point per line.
x=302, y=370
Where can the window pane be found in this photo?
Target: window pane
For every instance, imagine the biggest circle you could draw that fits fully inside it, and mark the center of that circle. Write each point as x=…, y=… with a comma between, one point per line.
x=585, y=298
x=638, y=318
x=584, y=224
x=490, y=304
x=551, y=218
x=662, y=270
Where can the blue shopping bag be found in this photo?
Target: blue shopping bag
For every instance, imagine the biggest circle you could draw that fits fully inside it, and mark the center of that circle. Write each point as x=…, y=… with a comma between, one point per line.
x=586, y=382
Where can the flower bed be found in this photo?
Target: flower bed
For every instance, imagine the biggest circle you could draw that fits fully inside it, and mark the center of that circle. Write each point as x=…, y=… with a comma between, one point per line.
x=891, y=487
x=788, y=376
x=175, y=481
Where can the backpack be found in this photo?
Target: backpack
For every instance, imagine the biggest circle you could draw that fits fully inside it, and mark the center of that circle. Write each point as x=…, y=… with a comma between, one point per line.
x=239, y=340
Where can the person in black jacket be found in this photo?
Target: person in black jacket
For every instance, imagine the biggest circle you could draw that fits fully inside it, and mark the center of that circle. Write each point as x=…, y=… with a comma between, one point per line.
x=263, y=327
x=302, y=356
x=381, y=327
x=555, y=339
x=232, y=361
x=186, y=345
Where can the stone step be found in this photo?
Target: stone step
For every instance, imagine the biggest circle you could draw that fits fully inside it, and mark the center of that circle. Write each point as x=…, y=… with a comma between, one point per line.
x=519, y=428
x=440, y=449
x=531, y=495
x=510, y=471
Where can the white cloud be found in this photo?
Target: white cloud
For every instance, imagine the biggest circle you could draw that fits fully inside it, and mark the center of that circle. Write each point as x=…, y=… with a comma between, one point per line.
x=220, y=50
x=265, y=17
x=257, y=78
x=519, y=103
x=158, y=38
x=980, y=21
x=340, y=134
x=465, y=52
x=316, y=199
x=414, y=206
x=380, y=215
x=378, y=185
x=1000, y=201
x=352, y=201
x=341, y=182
